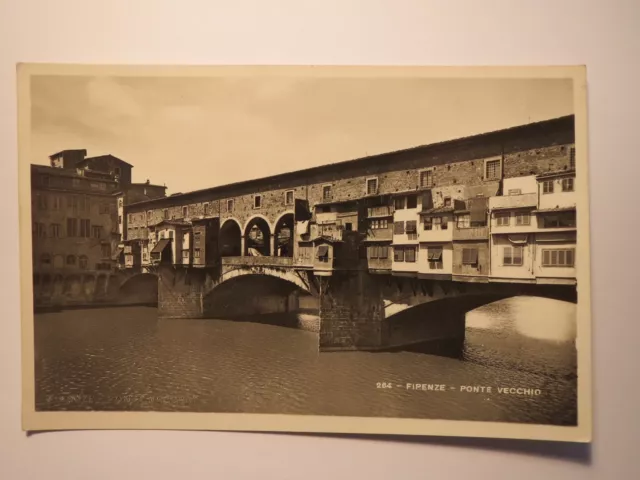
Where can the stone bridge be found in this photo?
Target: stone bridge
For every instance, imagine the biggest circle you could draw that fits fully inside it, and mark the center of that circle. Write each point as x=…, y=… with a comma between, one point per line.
x=350, y=310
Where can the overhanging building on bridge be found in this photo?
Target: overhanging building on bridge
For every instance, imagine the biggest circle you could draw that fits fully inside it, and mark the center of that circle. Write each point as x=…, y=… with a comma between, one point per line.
x=495, y=207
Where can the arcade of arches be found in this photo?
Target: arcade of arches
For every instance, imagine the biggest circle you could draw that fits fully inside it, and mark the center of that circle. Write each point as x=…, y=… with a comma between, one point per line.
x=257, y=238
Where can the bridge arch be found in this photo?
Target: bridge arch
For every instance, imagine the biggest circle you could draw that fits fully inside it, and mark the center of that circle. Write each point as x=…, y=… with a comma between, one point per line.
x=267, y=295
x=282, y=274
x=439, y=311
x=230, y=238
x=408, y=294
x=258, y=236
x=283, y=231
x=139, y=288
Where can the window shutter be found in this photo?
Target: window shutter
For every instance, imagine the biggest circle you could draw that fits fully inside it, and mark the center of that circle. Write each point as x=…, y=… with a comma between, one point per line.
x=517, y=256
x=398, y=228
x=506, y=256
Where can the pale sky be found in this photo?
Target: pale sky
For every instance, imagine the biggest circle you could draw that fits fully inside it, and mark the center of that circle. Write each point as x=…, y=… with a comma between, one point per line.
x=193, y=133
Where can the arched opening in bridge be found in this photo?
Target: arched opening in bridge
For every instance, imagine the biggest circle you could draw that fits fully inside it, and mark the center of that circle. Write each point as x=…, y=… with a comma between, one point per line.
x=490, y=328
x=139, y=289
x=257, y=238
x=263, y=299
x=230, y=239
x=283, y=234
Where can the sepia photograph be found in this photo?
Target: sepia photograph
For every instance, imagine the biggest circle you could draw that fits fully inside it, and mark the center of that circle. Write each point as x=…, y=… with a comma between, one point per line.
x=381, y=250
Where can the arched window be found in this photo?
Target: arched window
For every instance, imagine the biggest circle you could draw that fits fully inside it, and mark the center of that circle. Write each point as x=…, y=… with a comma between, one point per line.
x=82, y=261
x=71, y=260
x=45, y=260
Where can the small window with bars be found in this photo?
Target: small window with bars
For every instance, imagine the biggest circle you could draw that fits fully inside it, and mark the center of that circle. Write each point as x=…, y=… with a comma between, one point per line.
x=326, y=192
x=426, y=178
x=372, y=186
x=492, y=169
x=288, y=197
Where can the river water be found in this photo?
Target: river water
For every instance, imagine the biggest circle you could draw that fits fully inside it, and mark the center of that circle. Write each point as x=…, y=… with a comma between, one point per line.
x=127, y=359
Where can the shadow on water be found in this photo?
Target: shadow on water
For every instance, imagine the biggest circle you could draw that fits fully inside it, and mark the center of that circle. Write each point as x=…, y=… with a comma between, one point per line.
x=451, y=348
x=286, y=320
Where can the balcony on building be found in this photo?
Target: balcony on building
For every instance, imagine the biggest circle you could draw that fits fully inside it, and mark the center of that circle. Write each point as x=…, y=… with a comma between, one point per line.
x=556, y=219
x=556, y=190
x=510, y=202
x=471, y=219
x=379, y=224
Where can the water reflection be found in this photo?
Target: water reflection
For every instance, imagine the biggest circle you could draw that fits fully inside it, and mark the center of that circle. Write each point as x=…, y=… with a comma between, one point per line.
x=229, y=366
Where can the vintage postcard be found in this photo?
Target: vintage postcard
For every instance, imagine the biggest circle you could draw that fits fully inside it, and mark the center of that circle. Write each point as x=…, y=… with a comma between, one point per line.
x=373, y=250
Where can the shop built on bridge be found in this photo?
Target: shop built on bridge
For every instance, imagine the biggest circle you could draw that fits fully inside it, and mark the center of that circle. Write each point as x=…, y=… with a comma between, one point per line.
x=371, y=253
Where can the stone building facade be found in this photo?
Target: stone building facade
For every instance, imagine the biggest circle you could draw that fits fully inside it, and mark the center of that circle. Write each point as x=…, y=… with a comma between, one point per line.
x=75, y=226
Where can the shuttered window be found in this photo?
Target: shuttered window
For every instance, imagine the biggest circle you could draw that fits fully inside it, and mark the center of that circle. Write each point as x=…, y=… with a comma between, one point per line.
x=434, y=254
x=512, y=255
x=502, y=219
x=398, y=228
x=410, y=254
x=411, y=226
x=564, y=257
x=567, y=184
x=398, y=254
x=523, y=218
x=378, y=251
x=469, y=256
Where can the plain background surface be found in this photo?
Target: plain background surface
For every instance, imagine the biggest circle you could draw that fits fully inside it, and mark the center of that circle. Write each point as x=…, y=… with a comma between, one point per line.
x=600, y=34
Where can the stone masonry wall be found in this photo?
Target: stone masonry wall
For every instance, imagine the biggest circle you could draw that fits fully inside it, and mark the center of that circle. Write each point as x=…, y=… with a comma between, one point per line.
x=351, y=312
x=180, y=293
x=542, y=149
